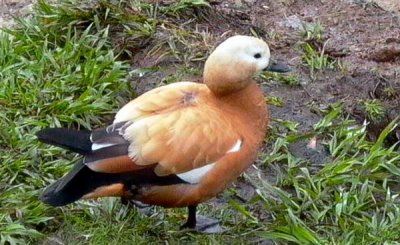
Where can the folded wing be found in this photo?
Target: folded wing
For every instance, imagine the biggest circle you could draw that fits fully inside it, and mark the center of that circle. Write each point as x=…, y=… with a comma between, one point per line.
x=177, y=128
x=171, y=135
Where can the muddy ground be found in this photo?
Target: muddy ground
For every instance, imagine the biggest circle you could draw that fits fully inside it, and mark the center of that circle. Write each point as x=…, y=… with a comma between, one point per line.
x=14, y=8
x=363, y=37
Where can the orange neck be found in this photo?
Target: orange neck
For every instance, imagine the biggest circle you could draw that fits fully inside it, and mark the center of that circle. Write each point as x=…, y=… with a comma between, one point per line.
x=249, y=105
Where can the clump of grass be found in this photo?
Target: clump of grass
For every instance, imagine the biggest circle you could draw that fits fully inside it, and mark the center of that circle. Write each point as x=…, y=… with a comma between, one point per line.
x=287, y=79
x=182, y=46
x=313, y=48
x=74, y=80
x=316, y=60
x=134, y=24
x=373, y=109
x=313, y=32
x=178, y=8
x=289, y=125
x=130, y=28
x=175, y=9
x=391, y=92
x=274, y=100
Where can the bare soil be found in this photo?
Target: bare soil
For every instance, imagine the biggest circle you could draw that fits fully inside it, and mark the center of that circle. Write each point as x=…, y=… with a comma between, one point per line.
x=14, y=8
x=364, y=37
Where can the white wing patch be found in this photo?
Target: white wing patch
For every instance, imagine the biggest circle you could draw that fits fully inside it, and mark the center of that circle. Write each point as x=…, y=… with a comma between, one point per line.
x=236, y=147
x=194, y=176
x=99, y=146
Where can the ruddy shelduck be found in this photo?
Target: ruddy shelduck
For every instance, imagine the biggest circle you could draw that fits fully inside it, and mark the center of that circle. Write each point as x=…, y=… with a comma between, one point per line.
x=177, y=145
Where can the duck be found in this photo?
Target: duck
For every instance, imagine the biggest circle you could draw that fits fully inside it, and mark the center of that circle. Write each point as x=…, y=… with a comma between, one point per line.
x=177, y=145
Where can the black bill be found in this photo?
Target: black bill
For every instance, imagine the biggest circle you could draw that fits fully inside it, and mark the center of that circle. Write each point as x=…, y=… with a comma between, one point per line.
x=277, y=67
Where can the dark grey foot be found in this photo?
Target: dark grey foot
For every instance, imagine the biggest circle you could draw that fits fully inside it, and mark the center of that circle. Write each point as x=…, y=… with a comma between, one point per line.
x=208, y=225
x=201, y=223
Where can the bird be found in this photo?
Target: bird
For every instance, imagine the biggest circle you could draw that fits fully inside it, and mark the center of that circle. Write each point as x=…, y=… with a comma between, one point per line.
x=177, y=145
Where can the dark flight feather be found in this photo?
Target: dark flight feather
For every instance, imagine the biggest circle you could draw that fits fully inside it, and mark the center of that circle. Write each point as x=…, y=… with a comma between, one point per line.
x=82, y=180
x=70, y=139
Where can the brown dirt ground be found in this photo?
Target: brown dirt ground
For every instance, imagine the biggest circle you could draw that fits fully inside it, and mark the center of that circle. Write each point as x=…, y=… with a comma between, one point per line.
x=13, y=8
x=364, y=37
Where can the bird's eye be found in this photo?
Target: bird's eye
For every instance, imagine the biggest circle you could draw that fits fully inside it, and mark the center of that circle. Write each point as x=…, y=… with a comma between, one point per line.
x=257, y=55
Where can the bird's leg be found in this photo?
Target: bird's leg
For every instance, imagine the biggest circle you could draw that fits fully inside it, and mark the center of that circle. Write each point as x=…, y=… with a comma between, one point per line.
x=200, y=223
x=191, y=220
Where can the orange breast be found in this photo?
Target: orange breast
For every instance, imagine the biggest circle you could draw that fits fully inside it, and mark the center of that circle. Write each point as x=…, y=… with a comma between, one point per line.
x=249, y=118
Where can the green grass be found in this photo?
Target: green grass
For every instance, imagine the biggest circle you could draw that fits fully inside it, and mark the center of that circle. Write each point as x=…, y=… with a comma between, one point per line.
x=287, y=79
x=274, y=100
x=350, y=199
x=313, y=49
x=315, y=59
x=70, y=66
x=313, y=32
x=373, y=109
x=74, y=81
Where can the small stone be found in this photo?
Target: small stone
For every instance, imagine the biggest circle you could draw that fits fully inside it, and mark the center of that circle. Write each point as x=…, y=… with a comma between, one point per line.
x=312, y=144
x=293, y=22
x=389, y=5
x=386, y=54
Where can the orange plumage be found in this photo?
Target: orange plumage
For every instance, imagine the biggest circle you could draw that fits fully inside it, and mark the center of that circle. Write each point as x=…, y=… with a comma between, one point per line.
x=176, y=145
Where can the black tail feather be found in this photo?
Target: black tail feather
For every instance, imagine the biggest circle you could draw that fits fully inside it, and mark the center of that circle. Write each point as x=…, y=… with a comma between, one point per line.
x=70, y=139
x=78, y=182
x=81, y=180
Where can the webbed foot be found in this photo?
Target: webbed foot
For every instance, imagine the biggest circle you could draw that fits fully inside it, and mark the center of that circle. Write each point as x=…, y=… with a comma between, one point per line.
x=201, y=223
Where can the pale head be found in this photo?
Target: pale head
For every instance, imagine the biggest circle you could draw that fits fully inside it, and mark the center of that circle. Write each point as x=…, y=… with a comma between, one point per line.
x=231, y=66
